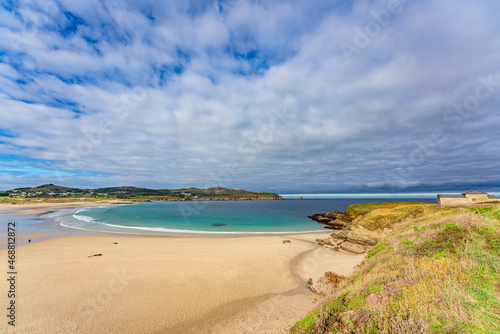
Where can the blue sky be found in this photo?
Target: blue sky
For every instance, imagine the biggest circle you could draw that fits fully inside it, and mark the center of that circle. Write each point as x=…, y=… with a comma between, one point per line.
x=285, y=96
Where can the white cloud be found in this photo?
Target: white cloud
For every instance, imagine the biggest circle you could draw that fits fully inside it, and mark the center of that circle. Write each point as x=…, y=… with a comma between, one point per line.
x=161, y=101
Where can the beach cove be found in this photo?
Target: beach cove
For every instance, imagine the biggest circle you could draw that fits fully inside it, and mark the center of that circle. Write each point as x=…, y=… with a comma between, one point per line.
x=146, y=284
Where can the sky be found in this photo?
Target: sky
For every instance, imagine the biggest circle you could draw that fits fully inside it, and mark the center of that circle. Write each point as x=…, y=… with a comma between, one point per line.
x=297, y=96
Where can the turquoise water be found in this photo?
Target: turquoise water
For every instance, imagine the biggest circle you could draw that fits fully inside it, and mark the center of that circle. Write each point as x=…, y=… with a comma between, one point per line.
x=212, y=217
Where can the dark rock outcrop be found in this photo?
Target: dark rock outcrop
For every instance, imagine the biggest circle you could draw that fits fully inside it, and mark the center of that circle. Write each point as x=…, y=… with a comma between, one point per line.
x=326, y=284
x=334, y=277
x=349, y=236
x=333, y=220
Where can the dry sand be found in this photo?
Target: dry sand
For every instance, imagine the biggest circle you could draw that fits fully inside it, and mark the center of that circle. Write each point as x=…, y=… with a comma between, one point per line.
x=167, y=285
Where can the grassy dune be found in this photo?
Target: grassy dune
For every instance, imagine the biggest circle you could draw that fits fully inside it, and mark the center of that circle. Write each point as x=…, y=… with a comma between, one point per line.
x=436, y=271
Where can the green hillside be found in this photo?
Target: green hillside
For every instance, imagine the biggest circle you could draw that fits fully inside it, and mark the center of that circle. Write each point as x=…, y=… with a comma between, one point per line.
x=435, y=271
x=51, y=191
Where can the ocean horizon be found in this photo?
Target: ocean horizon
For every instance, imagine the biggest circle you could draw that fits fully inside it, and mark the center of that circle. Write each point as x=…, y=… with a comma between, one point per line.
x=357, y=195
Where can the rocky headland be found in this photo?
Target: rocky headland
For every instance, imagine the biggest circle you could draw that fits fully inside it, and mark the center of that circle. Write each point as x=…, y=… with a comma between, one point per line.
x=348, y=236
x=333, y=220
x=424, y=266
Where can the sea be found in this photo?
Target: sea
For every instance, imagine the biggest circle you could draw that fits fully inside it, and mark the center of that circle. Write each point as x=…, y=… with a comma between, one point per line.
x=211, y=217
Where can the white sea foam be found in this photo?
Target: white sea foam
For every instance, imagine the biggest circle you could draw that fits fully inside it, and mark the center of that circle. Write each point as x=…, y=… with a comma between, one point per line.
x=87, y=223
x=84, y=218
x=173, y=230
x=65, y=224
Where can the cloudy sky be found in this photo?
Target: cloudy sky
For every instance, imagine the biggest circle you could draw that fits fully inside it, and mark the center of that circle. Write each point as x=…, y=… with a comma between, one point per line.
x=285, y=96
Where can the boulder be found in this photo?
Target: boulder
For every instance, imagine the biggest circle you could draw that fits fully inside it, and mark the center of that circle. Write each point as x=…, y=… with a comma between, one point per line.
x=327, y=283
x=352, y=248
x=350, y=237
x=360, y=239
x=338, y=224
x=362, y=236
x=323, y=220
x=329, y=242
x=341, y=235
x=334, y=277
x=323, y=286
x=333, y=220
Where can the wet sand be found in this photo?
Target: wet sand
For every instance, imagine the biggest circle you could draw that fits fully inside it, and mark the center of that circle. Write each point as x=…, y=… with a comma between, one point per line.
x=38, y=208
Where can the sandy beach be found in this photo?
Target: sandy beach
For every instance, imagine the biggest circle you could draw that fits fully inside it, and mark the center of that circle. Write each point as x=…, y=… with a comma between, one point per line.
x=37, y=208
x=167, y=285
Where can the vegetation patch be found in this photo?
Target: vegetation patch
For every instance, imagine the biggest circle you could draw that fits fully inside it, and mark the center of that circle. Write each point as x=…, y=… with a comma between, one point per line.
x=57, y=194
x=445, y=241
x=436, y=272
x=375, y=250
x=362, y=209
x=378, y=216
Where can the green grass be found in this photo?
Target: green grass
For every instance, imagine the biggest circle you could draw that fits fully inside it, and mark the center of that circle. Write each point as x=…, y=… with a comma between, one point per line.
x=378, y=216
x=362, y=209
x=308, y=321
x=356, y=303
x=375, y=250
x=57, y=194
x=490, y=212
x=376, y=288
x=437, y=271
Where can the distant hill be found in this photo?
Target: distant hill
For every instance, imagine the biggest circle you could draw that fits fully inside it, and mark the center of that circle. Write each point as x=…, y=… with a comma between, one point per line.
x=127, y=192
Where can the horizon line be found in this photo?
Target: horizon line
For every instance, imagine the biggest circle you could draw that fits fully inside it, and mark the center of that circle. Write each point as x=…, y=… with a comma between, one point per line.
x=370, y=195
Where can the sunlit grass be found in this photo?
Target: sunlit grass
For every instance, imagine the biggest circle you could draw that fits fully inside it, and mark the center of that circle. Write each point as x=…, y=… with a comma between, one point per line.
x=437, y=271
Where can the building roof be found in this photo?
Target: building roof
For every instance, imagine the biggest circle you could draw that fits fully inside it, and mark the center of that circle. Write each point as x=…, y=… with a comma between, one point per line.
x=451, y=196
x=470, y=192
x=474, y=192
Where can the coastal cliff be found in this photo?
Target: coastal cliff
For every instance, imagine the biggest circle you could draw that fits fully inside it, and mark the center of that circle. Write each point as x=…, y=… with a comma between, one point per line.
x=427, y=270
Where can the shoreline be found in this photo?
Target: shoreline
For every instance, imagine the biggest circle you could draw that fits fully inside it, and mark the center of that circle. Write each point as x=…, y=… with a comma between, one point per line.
x=165, y=284
x=212, y=285
x=34, y=227
x=47, y=201
x=37, y=213
x=39, y=208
